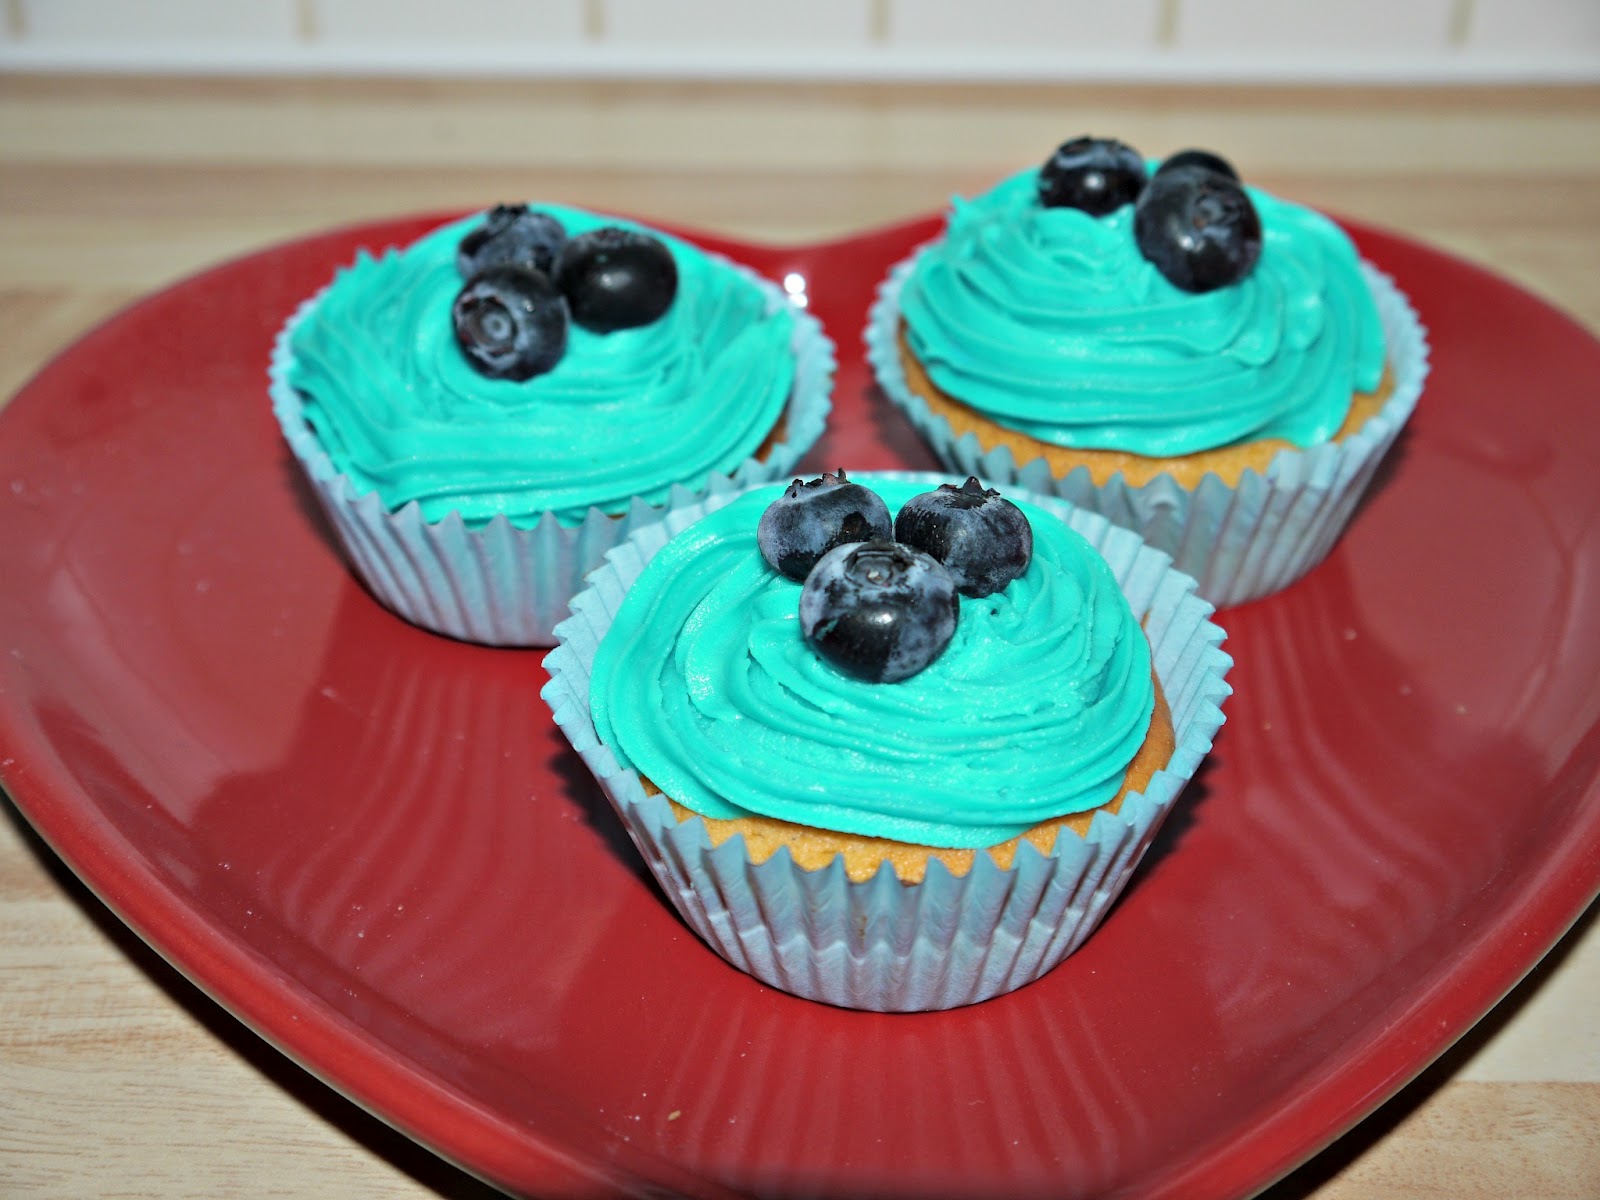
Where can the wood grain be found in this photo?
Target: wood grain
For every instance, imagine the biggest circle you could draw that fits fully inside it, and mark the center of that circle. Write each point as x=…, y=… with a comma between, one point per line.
x=118, y=1078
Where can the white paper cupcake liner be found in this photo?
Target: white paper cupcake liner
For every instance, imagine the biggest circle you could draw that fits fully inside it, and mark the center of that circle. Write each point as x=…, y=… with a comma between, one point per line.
x=1240, y=542
x=882, y=944
x=502, y=584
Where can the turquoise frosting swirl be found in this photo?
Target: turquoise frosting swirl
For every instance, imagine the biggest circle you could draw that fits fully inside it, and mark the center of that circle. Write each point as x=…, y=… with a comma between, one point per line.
x=705, y=686
x=1049, y=321
x=401, y=412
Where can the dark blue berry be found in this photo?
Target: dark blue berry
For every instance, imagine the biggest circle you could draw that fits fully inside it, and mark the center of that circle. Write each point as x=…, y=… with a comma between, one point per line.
x=1098, y=175
x=1198, y=158
x=980, y=537
x=617, y=278
x=1198, y=228
x=810, y=519
x=512, y=233
x=878, y=611
x=510, y=322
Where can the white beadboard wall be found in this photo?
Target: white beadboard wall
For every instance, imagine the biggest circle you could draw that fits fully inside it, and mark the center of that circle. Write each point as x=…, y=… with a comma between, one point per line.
x=1046, y=40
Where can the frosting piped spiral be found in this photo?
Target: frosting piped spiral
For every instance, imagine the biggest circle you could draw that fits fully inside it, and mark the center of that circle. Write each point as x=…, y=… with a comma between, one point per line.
x=705, y=685
x=625, y=413
x=1051, y=322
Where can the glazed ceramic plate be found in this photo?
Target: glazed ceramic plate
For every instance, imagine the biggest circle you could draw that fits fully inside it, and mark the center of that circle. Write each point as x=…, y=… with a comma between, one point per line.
x=371, y=845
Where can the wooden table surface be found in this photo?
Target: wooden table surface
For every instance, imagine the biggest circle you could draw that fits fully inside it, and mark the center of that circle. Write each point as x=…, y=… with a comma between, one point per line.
x=118, y=1077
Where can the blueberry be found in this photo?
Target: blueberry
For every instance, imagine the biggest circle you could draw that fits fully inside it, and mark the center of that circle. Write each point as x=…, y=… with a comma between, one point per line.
x=512, y=233
x=1199, y=228
x=617, y=278
x=878, y=610
x=1198, y=158
x=1098, y=175
x=510, y=322
x=980, y=537
x=810, y=519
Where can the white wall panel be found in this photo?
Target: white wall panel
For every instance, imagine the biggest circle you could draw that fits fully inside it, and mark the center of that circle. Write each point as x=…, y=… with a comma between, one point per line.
x=1104, y=40
x=144, y=22
x=1563, y=26
x=1033, y=25
x=449, y=22
x=721, y=23
x=1364, y=28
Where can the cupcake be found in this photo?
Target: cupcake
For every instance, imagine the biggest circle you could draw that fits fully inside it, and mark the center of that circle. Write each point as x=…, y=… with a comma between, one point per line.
x=1199, y=361
x=483, y=413
x=899, y=772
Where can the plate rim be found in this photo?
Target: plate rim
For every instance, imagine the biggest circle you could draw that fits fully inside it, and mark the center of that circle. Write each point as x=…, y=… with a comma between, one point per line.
x=343, y=1055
